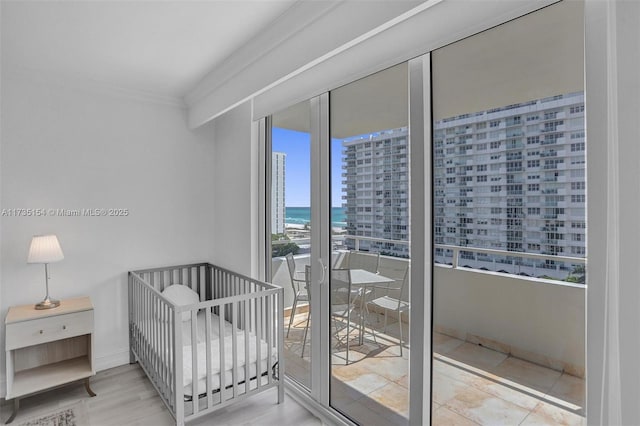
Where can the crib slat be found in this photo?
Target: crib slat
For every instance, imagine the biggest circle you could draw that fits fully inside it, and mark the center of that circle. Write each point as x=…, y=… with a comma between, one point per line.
x=167, y=351
x=152, y=333
x=208, y=336
x=145, y=323
x=160, y=348
x=172, y=358
x=259, y=301
x=221, y=340
x=178, y=372
x=268, y=337
x=234, y=345
x=156, y=335
x=160, y=331
x=247, y=328
x=278, y=318
x=194, y=360
x=143, y=349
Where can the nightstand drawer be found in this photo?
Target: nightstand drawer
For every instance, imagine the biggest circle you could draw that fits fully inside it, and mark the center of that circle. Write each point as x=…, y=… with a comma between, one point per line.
x=43, y=330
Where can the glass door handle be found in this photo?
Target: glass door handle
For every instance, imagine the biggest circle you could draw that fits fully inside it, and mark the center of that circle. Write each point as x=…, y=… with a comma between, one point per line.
x=323, y=267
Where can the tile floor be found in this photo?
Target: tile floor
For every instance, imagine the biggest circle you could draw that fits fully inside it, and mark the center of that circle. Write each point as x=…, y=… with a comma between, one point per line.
x=472, y=385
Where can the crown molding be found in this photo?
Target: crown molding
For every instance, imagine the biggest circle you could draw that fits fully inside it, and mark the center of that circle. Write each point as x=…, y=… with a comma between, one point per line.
x=337, y=49
x=84, y=84
x=294, y=20
x=306, y=32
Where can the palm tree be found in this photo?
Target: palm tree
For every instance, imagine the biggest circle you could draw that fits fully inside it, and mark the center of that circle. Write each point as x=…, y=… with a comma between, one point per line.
x=578, y=275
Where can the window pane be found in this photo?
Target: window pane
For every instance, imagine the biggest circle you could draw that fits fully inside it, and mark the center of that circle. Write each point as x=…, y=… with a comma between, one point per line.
x=509, y=218
x=290, y=232
x=370, y=197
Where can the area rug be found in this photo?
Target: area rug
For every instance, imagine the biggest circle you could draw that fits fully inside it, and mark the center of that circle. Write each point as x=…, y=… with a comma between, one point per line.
x=73, y=415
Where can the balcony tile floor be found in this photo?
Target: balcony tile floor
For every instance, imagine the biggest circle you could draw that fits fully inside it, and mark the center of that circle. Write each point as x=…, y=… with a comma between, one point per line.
x=472, y=385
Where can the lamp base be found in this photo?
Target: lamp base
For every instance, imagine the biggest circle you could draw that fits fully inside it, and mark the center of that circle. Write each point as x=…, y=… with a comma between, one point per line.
x=48, y=304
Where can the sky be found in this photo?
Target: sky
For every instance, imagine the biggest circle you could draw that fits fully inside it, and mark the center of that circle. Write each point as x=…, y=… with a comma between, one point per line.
x=297, y=146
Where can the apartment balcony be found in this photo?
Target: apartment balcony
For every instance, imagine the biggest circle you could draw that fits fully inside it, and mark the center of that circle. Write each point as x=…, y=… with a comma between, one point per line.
x=505, y=347
x=561, y=179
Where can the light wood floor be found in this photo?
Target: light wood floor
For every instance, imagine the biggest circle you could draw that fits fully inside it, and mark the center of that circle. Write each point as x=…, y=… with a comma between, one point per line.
x=126, y=397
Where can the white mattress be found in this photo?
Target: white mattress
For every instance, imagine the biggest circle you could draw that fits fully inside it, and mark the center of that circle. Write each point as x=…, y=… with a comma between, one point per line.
x=201, y=349
x=228, y=367
x=215, y=355
x=215, y=327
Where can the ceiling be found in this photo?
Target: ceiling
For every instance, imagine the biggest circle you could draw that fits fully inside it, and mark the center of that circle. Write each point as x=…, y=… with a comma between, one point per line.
x=158, y=47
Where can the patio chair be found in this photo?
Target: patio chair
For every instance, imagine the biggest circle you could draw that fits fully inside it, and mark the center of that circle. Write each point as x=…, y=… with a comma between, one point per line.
x=342, y=304
x=367, y=261
x=299, y=294
x=307, y=280
x=393, y=301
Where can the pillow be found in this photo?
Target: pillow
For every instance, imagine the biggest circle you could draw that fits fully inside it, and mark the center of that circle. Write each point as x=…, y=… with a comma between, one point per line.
x=181, y=295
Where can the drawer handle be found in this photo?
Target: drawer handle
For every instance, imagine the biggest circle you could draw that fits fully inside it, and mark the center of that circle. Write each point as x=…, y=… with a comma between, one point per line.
x=64, y=327
x=41, y=331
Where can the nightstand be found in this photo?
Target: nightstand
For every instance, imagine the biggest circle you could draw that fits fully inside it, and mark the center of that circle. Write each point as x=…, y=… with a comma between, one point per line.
x=48, y=348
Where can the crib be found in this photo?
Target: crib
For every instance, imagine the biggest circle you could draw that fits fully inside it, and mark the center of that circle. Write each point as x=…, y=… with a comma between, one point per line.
x=224, y=347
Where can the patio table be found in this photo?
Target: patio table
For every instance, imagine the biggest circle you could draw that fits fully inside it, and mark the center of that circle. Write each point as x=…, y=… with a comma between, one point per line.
x=363, y=278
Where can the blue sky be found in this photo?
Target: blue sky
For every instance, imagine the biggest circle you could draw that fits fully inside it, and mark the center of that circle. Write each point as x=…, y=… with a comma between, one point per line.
x=297, y=146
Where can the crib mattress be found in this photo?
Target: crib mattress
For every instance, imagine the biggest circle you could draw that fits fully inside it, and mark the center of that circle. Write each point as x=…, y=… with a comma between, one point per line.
x=201, y=346
x=263, y=365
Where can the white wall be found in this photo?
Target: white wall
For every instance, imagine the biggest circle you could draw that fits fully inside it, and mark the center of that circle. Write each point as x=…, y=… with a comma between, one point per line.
x=73, y=148
x=235, y=171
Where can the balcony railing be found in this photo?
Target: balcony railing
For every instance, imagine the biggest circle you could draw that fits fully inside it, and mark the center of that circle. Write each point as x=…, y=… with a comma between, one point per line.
x=528, y=264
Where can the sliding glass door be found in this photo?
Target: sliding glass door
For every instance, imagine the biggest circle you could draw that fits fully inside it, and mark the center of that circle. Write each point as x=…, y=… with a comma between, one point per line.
x=290, y=234
x=339, y=244
x=432, y=215
x=509, y=223
x=370, y=269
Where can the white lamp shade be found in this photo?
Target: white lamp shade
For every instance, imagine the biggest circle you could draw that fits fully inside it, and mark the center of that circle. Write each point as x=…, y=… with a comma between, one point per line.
x=45, y=249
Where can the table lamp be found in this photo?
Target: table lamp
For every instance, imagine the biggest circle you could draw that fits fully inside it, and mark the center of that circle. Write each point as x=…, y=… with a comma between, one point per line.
x=45, y=249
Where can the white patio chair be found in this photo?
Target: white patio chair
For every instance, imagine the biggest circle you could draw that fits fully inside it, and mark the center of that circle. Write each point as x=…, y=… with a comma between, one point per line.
x=342, y=304
x=393, y=301
x=364, y=260
x=299, y=294
x=307, y=279
x=367, y=261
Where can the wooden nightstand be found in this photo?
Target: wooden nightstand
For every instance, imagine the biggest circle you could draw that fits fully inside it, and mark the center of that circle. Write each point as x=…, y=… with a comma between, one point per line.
x=48, y=348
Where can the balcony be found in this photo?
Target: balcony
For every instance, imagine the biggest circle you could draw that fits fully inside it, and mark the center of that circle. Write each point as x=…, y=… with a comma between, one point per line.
x=506, y=347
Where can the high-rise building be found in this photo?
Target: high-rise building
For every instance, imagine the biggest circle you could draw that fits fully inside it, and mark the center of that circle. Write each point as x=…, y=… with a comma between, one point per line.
x=278, y=209
x=512, y=179
x=376, y=191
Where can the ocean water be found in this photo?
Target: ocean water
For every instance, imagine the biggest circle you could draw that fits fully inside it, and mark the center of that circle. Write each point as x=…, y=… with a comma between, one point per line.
x=302, y=215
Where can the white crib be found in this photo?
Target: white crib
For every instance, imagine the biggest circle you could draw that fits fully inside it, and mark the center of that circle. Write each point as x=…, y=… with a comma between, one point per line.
x=179, y=346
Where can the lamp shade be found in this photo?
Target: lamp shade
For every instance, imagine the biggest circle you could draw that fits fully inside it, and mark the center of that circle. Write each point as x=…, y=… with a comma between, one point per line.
x=45, y=249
